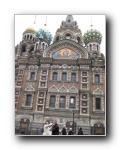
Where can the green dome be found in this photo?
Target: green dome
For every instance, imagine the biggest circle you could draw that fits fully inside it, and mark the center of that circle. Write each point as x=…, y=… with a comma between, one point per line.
x=92, y=35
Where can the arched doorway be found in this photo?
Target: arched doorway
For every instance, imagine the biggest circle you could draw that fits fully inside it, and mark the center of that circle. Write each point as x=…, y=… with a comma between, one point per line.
x=24, y=125
x=98, y=129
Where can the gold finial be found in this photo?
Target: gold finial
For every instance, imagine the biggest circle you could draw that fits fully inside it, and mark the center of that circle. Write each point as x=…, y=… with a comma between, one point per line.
x=35, y=19
x=45, y=22
x=91, y=22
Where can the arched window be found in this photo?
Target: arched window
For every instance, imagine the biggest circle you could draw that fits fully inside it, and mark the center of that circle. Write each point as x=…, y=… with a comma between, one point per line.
x=98, y=103
x=27, y=37
x=90, y=47
x=52, y=101
x=23, y=50
x=31, y=37
x=43, y=46
x=72, y=102
x=97, y=47
x=28, y=100
x=97, y=78
x=68, y=36
x=64, y=76
x=62, y=102
x=73, y=77
x=54, y=76
x=32, y=76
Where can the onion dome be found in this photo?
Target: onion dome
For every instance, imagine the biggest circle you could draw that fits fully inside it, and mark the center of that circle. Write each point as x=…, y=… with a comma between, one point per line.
x=29, y=30
x=92, y=35
x=44, y=34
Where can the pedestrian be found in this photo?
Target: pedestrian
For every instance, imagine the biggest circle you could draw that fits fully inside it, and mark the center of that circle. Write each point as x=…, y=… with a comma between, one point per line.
x=47, y=126
x=42, y=130
x=64, y=130
x=70, y=132
x=55, y=128
x=80, y=132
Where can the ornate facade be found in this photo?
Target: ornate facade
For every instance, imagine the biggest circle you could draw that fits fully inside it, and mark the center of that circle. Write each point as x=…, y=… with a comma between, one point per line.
x=64, y=80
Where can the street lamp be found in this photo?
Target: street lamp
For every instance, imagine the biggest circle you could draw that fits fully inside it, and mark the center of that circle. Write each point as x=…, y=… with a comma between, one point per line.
x=74, y=111
x=73, y=121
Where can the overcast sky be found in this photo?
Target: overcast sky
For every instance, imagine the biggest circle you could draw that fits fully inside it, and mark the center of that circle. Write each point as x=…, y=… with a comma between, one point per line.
x=54, y=21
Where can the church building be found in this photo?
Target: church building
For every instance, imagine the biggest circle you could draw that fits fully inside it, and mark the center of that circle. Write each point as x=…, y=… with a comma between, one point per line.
x=60, y=78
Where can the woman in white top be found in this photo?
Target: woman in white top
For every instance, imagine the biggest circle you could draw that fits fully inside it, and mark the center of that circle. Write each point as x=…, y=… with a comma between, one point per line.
x=47, y=128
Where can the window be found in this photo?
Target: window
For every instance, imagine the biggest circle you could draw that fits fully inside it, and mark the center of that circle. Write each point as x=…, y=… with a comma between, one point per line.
x=32, y=76
x=97, y=47
x=97, y=79
x=54, y=76
x=98, y=103
x=64, y=76
x=62, y=102
x=28, y=100
x=52, y=101
x=68, y=36
x=23, y=49
x=90, y=47
x=72, y=102
x=73, y=77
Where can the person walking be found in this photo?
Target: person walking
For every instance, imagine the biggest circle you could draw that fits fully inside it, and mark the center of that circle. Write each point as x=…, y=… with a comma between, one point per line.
x=47, y=128
x=70, y=132
x=63, y=131
x=80, y=132
x=55, y=128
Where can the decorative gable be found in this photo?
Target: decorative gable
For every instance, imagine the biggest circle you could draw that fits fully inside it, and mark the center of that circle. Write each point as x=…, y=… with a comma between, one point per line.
x=97, y=92
x=30, y=88
x=53, y=89
x=73, y=90
x=63, y=89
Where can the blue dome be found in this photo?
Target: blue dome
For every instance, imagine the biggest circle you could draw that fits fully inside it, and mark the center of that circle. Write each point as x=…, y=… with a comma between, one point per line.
x=41, y=33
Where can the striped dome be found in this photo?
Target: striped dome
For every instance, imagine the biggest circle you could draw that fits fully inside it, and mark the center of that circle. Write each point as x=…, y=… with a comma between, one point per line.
x=42, y=33
x=92, y=35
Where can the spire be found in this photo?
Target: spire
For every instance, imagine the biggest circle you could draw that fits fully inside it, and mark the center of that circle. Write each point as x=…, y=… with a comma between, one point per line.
x=69, y=18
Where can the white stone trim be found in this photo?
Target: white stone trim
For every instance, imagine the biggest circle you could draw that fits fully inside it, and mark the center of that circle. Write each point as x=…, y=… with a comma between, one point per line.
x=29, y=88
x=53, y=89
